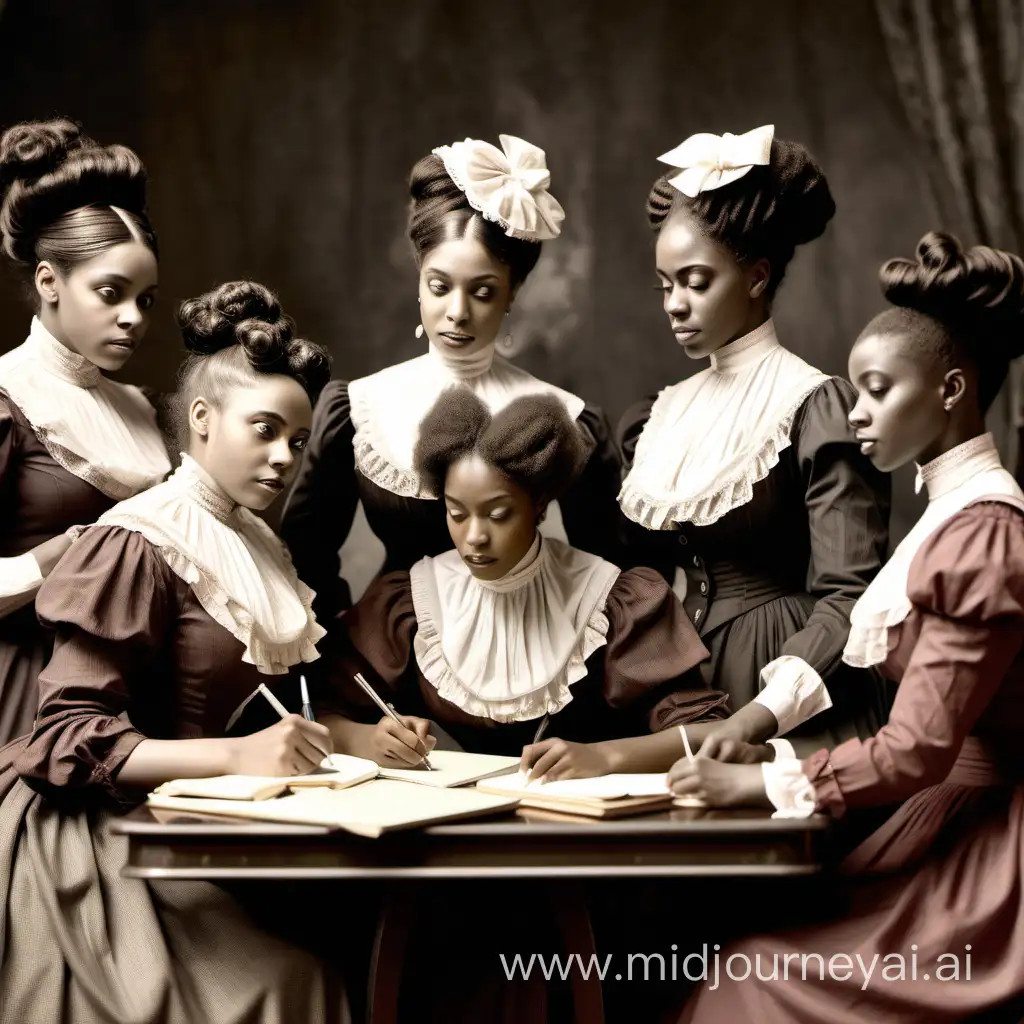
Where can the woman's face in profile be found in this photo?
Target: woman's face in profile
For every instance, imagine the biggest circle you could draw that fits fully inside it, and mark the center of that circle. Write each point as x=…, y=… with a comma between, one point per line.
x=707, y=292
x=464, y=293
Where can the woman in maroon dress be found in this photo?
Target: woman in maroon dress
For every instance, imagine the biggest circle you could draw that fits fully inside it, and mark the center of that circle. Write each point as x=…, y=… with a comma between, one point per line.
x=72, y=442
x=511, y=634
x=940, y=935
x=168, y=613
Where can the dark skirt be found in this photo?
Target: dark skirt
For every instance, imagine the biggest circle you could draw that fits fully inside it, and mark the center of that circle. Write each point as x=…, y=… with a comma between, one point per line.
x=79, y=944
x=742, y=646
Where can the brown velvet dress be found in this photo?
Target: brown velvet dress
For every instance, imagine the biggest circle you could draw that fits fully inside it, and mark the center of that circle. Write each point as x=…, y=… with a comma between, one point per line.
x=639, y=682
x=948, y=865
x=135, y=656
x=39, y=500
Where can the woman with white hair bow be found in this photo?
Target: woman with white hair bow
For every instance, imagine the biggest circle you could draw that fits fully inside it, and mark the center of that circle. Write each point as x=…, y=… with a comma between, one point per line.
x=744, y=482
x=477, y=220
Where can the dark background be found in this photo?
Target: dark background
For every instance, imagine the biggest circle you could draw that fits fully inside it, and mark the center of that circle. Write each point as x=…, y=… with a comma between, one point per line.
x=279, y=136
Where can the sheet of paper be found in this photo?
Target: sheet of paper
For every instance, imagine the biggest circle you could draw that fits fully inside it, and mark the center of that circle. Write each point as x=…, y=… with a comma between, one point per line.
x=600, y=787
x=454, y=768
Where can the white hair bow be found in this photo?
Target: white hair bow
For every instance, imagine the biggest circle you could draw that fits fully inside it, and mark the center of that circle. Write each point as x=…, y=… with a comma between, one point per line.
x=508, y=188
x=710, y=161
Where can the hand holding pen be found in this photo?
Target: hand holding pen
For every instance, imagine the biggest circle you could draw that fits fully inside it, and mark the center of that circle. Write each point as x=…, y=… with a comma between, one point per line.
x=402, y=738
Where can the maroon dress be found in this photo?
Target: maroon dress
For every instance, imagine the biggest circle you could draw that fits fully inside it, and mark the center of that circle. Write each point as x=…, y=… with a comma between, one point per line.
x=39, y=500
x=135, y=656
x=946, y=885
x=639, y=681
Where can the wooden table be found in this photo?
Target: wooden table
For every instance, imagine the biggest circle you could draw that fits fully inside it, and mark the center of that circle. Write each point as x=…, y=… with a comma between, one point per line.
x=166, y=845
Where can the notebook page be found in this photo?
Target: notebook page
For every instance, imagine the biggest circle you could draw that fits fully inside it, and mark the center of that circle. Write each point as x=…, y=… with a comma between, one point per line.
x=600, y=787
x=454, y=768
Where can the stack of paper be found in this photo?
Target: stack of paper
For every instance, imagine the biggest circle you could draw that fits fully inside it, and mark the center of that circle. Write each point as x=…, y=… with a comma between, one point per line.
x=604, y=796
x=368, y=809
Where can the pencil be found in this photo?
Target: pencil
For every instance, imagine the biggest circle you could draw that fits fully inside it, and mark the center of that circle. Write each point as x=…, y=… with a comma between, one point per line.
x=274, y=702
x=386, y=708
x=686, y=742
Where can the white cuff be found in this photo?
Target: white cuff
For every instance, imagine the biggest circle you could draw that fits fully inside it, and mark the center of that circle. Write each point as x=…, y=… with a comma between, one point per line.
x=792, y=691
x=789, y=790
x=20, y=578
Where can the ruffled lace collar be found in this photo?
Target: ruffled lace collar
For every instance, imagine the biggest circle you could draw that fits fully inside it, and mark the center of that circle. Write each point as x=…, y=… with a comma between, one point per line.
x=237, y=567
x=103, y=432
x=388, y=407
x=711, y=437
x=509, y=650
x=956, y=478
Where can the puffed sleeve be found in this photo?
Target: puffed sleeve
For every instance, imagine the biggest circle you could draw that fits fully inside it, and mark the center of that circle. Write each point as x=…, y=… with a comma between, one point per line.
x=19, y=576
x=638, y=545
x=967, y=583
x=847, y=503
x=322, y=504
x=373, y=637
x=111, y=602
x=590, y=511
x=652, y=646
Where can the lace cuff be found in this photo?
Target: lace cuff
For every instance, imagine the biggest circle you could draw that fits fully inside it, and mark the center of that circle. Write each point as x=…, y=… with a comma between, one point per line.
x=20, y=578
x=789, y=790
x=792, y=691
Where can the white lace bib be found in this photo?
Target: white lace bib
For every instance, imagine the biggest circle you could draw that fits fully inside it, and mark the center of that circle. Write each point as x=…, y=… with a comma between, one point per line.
x=963, y=474
x=103, y=432
x=238, y=569
x=711, y=437
x=389, y=406
x=509, y=650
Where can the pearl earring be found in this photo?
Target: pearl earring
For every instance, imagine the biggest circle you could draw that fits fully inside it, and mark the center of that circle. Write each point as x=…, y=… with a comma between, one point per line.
x=419, y=330
x=507, y=342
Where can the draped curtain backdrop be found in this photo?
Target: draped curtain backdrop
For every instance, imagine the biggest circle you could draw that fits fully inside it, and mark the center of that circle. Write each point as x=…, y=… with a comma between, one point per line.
x=958, y=69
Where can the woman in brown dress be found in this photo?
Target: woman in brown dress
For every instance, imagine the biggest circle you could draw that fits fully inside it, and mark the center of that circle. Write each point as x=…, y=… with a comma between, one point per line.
x=478, y=219
x=72, y=441
x=168, y=613
x=937, y=935
x=511, y=633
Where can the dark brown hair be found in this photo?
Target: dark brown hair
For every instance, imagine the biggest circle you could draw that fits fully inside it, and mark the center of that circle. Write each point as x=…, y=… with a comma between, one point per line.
x=765, y=214
x=532, y=441
x=957, y=305
x=60, y=189
x=440, y=212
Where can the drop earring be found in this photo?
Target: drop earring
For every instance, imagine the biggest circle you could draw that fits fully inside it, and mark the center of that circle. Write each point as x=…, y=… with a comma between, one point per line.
x=419, y=330
x=507, y=342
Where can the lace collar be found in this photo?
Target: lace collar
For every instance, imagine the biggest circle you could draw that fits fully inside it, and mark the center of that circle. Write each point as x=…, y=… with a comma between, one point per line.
x=510, y=649
x=711, y=437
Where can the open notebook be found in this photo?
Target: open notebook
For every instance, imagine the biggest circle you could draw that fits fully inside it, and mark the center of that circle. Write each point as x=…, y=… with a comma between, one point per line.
x=368, y=809
x=339, y=771
x=604, y=796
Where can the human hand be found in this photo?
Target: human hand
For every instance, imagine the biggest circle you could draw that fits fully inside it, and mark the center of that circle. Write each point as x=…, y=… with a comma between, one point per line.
x=555, y=759
x=291, y=746
x=405, y=745
x=718, y=784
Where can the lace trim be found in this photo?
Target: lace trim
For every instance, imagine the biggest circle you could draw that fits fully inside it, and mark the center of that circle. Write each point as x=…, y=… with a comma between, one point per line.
x=271, y=657
x=548, y=699
x=732, y=493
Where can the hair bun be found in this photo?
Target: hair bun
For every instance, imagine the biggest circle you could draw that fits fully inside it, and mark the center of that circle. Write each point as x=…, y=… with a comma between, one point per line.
x=237, y=313
x=805, y=200
x=34, y=148
x=977, y=291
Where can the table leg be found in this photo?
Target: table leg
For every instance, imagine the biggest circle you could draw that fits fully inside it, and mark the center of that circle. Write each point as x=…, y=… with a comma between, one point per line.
x=397, y=917
x=570, y=908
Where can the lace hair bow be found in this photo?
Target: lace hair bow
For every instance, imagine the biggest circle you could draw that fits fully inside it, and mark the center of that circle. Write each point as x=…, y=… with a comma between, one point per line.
x=508, y=188
x=710, y=161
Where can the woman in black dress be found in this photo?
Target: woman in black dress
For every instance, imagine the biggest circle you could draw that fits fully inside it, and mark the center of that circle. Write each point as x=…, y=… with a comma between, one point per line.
x=72, y=441
x=744, y=479
x=477, y=220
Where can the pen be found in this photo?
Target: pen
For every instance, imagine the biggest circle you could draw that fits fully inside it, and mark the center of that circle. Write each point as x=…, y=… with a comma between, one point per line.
x=386, y=708
x=540, y=729
x=307, y=708
x=686, y=742
x=279, y=707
